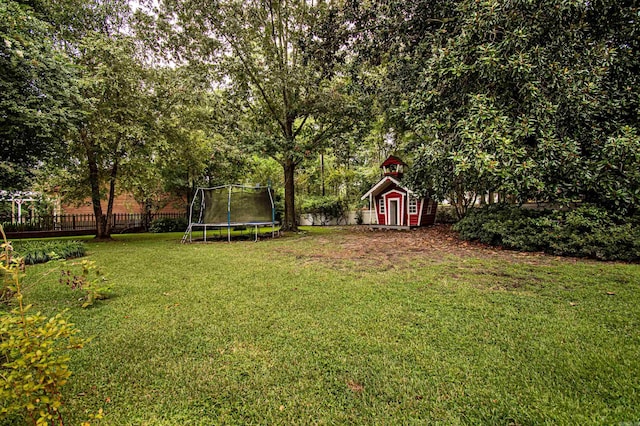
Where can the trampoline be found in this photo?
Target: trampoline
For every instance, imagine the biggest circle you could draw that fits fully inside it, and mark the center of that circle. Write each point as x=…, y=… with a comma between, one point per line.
x=231, y=206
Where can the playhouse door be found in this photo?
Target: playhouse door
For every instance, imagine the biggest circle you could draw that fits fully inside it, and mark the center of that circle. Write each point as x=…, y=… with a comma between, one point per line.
x=393, y=213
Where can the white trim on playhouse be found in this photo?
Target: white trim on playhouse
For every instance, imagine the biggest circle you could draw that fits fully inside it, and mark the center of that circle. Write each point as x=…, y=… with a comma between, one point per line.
x=422, y=202
x=383, y=182
x=399, y=208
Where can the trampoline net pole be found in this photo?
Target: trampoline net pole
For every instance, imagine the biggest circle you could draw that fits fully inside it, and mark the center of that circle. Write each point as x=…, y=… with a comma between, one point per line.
x=229, y=216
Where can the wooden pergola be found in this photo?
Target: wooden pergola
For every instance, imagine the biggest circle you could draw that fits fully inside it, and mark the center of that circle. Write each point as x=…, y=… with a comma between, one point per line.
x=17, y=199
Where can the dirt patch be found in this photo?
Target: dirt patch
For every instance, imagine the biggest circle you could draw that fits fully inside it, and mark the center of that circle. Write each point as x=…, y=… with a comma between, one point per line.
x=362, y=248
x=355, y=386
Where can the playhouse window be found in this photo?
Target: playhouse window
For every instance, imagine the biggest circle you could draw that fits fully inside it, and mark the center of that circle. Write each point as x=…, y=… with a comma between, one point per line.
x=429, y=207
x=381, y=204
x=413, y=206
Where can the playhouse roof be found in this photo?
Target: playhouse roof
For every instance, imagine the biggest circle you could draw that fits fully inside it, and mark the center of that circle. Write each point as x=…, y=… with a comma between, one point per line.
x=392, y=160
x=384, y=184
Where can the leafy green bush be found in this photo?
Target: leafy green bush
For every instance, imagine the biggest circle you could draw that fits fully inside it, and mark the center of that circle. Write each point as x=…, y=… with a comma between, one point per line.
x=20, y=227
x=592, y=232
x=43, y=251
x=33, y=354
x=325, y=209
x=446, y=214
x=168, y=225
x=586, y=231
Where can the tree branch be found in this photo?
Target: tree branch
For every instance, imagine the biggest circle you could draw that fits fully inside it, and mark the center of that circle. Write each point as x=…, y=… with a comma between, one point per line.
x=255, y=81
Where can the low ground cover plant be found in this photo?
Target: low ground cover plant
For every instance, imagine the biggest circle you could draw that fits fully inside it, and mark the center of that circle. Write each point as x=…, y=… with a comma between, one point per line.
x=87, y=278
x=42, y=251
x=586, y=231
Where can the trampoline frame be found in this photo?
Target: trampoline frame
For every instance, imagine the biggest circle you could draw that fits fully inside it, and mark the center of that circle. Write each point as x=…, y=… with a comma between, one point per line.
x=188, y=235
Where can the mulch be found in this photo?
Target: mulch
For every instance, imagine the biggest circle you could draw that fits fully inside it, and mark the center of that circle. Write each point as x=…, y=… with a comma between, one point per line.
x=361, y=247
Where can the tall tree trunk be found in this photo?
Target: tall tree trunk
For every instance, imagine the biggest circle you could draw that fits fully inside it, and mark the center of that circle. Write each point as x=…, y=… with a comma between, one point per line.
x=148, y=213
x=94, y=182
x=112, y=193
x=322, y=172
x=289, y=223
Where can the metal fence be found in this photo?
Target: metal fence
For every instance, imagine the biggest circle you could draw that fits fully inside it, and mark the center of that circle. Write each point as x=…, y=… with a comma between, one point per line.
x=120, y=222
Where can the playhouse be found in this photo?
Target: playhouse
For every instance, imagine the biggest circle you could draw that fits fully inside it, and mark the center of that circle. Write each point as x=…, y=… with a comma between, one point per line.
x=392, y=205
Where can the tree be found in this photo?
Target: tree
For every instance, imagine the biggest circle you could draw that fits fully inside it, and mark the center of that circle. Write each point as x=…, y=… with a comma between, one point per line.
x=116, y=134
x=533, y=99
x=192, y=152
x=38, y=93
x=277, y=62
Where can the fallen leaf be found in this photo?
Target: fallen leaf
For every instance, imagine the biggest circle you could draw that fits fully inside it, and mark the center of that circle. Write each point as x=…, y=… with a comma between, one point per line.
x=354, y=386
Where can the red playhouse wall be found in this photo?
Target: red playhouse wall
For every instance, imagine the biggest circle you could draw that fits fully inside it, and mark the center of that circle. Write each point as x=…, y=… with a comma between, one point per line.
x=413, y=218
x=429, y=212
x=426, y=208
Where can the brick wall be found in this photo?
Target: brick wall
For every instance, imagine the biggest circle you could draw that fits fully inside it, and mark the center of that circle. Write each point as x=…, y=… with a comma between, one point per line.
x=125, y=203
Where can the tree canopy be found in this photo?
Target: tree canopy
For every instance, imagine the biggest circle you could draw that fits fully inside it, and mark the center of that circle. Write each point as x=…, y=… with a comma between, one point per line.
x=534, y=100
x=277, y=63
x=538, y=100
x=38, y=93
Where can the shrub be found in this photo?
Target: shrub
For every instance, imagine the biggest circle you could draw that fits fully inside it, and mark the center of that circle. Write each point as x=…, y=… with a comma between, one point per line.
x=586, y=231
x=33, y=355
x=325, y=209
x=592, y=232
x=20, y=227
x=446, y=214
x=87, y=278
x=43, y=251
x=168, y=225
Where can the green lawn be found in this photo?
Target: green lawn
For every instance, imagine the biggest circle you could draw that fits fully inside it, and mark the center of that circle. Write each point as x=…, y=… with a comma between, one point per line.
x=305, y=330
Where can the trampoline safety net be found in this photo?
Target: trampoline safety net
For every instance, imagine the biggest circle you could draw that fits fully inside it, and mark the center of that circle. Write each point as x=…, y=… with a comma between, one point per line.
x=229, y=206
x=236, y=205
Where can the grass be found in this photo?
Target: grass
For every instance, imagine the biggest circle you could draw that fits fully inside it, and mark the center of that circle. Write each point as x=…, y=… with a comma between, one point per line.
x=277, y=332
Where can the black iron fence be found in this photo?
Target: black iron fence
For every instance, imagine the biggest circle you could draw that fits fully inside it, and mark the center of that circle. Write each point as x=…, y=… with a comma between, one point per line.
x=120, y=222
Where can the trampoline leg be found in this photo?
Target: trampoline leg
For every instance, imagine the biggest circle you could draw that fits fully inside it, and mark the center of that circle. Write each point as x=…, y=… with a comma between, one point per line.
x=204, y=235
x=256, y=239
